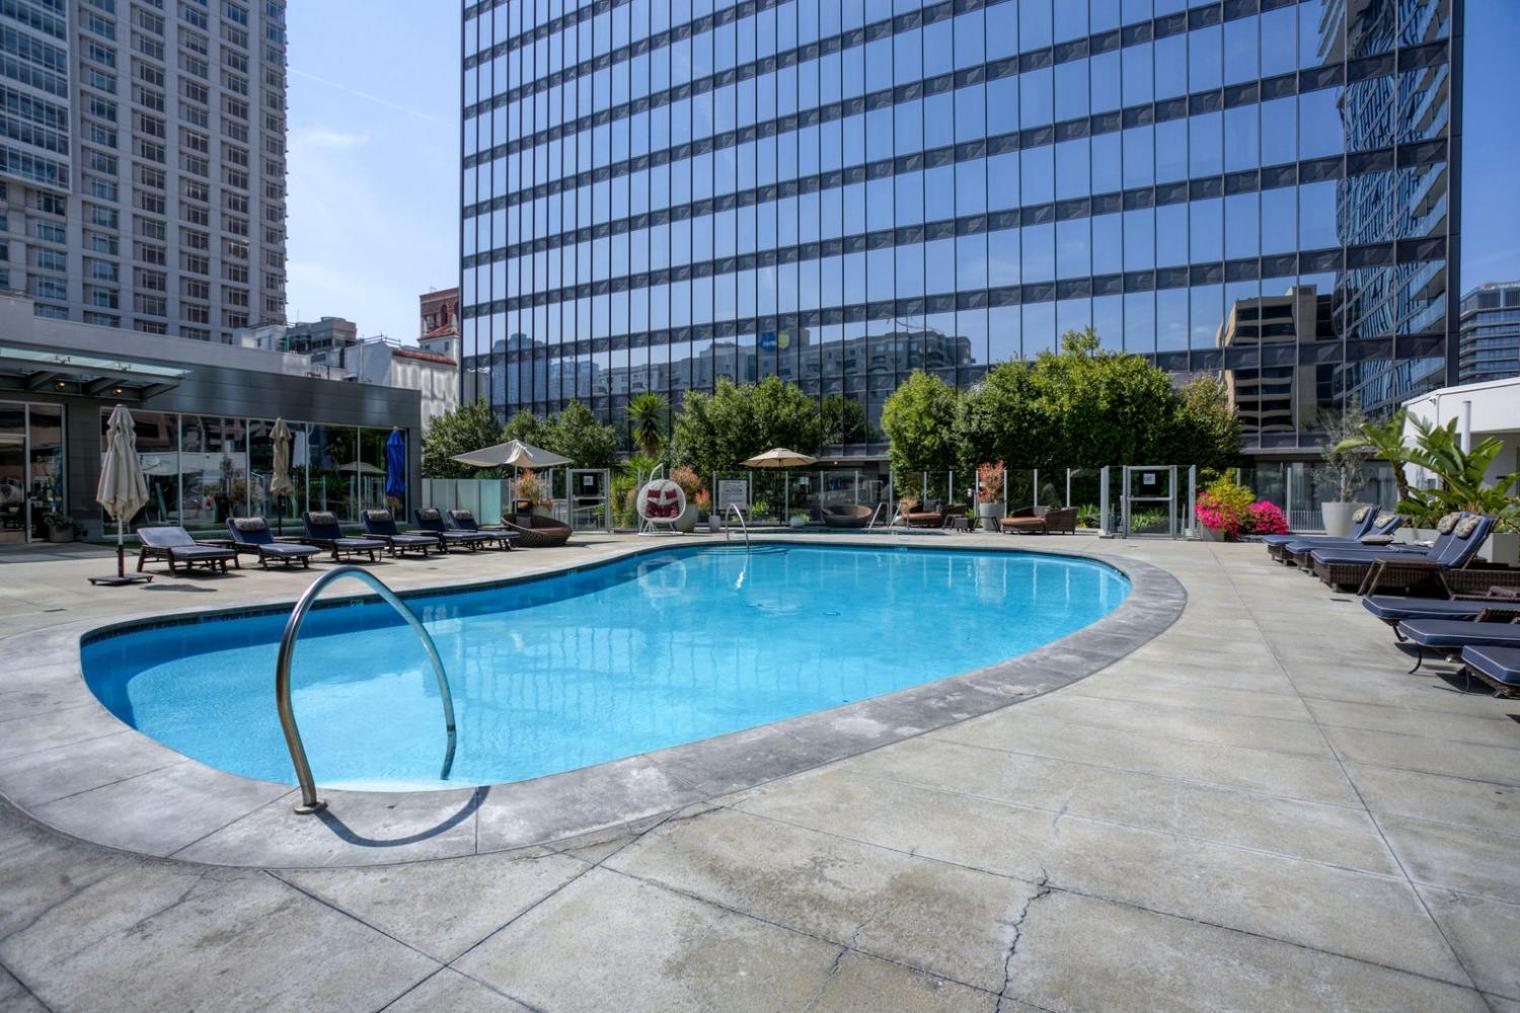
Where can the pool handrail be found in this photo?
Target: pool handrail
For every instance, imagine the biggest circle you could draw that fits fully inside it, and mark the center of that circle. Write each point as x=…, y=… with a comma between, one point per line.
x=309, y=801
x=728, y=533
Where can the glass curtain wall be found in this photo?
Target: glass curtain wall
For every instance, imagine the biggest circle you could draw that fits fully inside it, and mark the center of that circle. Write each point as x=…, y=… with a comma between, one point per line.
x=203, y=469
x=659, y=194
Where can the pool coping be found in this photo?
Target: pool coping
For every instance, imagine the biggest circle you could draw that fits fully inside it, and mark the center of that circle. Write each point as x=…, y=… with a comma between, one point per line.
x=71, y=765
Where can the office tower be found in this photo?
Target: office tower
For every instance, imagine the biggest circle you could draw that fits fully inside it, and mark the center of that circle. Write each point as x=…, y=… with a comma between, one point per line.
x=142, y=163
x=656, y=194
x=1489, y=339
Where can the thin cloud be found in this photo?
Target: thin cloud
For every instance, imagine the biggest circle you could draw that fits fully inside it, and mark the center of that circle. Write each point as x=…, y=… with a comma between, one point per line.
x=324, y=137
x=387, y=103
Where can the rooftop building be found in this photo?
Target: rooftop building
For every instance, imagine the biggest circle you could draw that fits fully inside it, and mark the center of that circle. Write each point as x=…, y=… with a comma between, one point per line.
x=1489, y=336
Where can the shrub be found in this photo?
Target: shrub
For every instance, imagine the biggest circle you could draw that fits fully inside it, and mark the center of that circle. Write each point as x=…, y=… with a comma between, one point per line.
x=989, y=483
x=1264, y=518
x=1223, y=507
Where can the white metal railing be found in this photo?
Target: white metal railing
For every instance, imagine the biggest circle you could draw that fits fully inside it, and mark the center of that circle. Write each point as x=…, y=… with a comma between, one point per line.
x=728, y=532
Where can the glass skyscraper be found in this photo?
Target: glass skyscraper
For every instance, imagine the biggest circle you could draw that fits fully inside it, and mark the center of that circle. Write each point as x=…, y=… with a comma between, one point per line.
x=659, y=193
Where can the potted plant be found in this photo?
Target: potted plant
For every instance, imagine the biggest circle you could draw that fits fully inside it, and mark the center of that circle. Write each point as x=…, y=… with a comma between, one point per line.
x=60, y=527
x=1222, y=510
x=691, y=487
x=1461, y=484
x=989, y=495
x=1345, y=459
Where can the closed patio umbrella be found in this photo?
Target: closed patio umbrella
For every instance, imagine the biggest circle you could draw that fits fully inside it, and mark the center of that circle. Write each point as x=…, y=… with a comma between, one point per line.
x=395, y=465
x=280, y=485
x=122, y=489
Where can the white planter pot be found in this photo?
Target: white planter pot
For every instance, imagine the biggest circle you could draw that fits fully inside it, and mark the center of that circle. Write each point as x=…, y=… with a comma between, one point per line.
x=687, y=522
x=798, y=522
x=1502, y=547
x=715, y=524
x=1337, y=517
x=988, y=514
x=1206, y=534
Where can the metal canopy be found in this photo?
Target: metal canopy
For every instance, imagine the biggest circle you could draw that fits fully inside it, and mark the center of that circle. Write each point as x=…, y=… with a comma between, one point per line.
x=34, y=369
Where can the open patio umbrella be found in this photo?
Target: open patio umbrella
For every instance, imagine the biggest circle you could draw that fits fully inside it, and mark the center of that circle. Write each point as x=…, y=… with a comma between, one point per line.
x=514, y=453
x=280, y=485
x=395, y=465
x=122, y=489
x=779, y=457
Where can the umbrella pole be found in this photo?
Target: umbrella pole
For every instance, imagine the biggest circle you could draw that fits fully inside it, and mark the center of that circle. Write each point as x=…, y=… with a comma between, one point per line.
x=121, y=552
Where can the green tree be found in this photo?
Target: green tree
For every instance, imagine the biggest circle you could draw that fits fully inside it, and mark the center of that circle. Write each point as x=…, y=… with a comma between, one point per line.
x=527, y=427
x=714, y=432
x=575, y=433
x=1205, y=429
x=919, y=420
x=648, y=417
x=468, y=427
x=1085, y=407
x=843, y=420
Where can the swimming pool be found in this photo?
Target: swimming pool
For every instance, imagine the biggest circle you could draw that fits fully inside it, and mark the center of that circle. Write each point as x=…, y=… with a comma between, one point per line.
x=578, y=668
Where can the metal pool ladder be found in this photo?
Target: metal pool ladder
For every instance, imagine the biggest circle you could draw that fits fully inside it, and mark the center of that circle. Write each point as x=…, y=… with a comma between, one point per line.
x=728, y=533
x=309, y=801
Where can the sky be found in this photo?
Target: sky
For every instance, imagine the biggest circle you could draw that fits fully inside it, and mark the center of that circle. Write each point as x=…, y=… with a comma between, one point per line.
x=374, y=156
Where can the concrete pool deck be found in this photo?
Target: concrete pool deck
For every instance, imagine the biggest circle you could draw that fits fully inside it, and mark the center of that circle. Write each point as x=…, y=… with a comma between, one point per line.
x=1257, y=809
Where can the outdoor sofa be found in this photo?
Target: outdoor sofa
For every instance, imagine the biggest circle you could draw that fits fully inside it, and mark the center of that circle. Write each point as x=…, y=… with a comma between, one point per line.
x=177, y=548
x=1040, y=520
x=464, y=520
x=251, y=535
x=322, y=530
x=935, y=515
x=381, y=524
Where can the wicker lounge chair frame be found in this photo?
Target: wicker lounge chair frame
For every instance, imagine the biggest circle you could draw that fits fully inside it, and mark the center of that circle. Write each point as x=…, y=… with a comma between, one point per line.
x=322, y=530
x=381, y=524
x=254, y=539
x=1353, y=569
x=1041, y=520
x=1286, y=549
x=175, y=546
x=430, y=522
x=464, y=520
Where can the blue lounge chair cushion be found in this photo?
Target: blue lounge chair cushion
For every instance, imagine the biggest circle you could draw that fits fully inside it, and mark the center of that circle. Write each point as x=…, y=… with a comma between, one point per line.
x=1395, y=606
x=1460, y=633
x=1347, y=554
x=1501, y=664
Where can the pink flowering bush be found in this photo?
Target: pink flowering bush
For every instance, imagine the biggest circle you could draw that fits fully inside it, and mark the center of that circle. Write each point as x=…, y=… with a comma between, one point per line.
x=1223, y=507
x=1264, y=518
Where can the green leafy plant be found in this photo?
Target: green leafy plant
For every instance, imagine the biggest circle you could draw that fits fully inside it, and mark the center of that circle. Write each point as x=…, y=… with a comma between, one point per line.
x=54, y=519
x=1088, y=515
x=919, y=420
x=1460, y=473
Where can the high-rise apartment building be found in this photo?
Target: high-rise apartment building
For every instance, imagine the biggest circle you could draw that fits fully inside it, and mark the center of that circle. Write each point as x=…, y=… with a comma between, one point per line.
x=659, y=193
x=1489, y=340
x=142, y=162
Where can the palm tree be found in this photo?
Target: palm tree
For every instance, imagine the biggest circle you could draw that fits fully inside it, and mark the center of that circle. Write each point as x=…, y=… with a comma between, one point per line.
x=646, y=421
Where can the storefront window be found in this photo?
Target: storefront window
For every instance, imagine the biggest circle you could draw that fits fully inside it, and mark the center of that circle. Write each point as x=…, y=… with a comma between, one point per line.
x=45, y=466
x=332, y=464
x=13, y=493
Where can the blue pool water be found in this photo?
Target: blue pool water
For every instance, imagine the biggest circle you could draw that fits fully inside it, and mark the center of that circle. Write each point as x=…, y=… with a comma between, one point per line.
x=610, y=661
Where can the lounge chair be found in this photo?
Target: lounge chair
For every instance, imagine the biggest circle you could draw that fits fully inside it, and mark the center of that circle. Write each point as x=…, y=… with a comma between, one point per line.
x=382, y=525
x=1362, y=523
x=1394, y=608
x=464, y=520
x=1040, y=520
x=538, y=532
x=251, y=535
x=932, y=516
x=1448, y=637
x=430, y=521
x=847, y=516
x=322, y=530
x=1460, y=538
x=1376, y=532
x=177, y=548
x=1499, y=667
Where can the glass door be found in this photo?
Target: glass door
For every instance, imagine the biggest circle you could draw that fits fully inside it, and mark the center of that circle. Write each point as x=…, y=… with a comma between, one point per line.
x=1150, y=500
x=15, y=519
